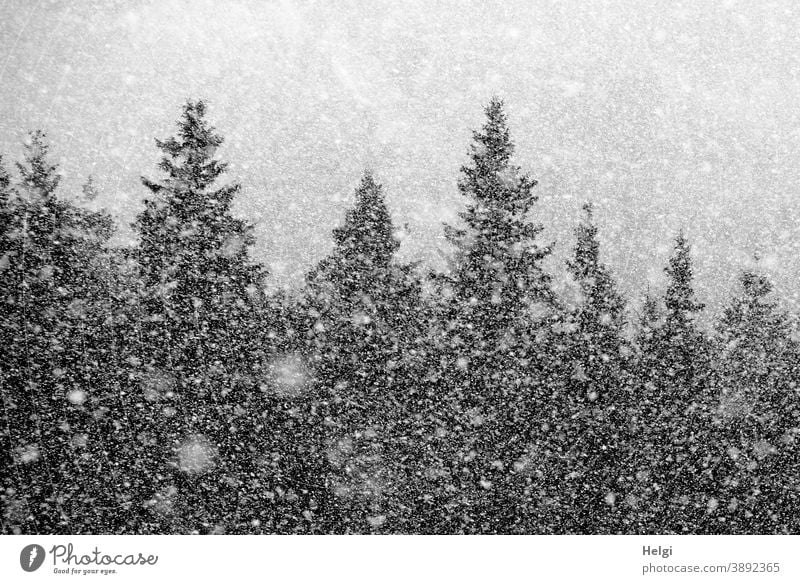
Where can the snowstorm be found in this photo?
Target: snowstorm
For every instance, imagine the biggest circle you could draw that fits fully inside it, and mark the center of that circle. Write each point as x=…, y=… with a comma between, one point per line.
x=299, y=267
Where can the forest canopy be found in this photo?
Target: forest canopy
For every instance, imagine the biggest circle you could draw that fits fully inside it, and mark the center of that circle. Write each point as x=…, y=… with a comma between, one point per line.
x=163, y=388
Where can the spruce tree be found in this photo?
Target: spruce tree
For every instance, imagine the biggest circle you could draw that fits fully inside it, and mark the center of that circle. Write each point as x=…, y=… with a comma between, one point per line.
x=6, y=215
x=19, y=508
x=201, y=296
x=497, y=267
x=674, y=431
x=364, y=303
x=595, y=396
x=54, y=306
x=642, y=500
x=756, y=413
x=498, y=304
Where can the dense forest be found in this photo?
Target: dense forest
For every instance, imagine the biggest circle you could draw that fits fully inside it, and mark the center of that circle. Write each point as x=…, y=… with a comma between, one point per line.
x=162, y=388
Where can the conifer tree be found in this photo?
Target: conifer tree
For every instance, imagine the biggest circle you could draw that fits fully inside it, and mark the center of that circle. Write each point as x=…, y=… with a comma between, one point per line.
x=756, y=413
x=596, y=389
x=638, y=507
x=363, y=304
x=675, y=428
x=601, y=315
x=497, y=268
x=16, y=509
x=499, y=301
x=53, y=296
x=201, y=295
x=6, y=215
x=89, y=189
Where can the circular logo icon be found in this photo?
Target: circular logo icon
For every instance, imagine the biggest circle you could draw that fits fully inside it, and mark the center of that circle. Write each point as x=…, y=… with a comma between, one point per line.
x=31, y=557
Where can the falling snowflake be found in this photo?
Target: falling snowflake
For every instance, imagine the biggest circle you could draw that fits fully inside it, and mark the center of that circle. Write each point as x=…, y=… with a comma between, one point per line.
x=77, y=397
x=196, y=455
x=288, y=376
x=28, y=453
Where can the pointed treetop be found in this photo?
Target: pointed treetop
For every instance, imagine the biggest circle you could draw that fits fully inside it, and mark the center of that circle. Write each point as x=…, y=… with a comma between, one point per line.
x=586, y=257
x=89, y=189
x=189, y=159
x=755, y=285
x=754, y=306
x=191, y=167
x=754, y=320
x=5, y=183
x=493, y=142
x=193, y=131
x=679, y=298
x=36, y=172
x=602, y=302
x=491, y=180
x=497, y=256
x=650, y=310
x=362, y=262
x=367, y=235
x=187, y=231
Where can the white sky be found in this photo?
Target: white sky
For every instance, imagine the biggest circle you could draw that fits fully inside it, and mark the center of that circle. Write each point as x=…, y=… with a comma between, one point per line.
x=665, y=114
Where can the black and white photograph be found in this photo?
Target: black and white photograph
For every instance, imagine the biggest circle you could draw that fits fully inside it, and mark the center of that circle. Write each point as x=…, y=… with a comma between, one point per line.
x=304, y=267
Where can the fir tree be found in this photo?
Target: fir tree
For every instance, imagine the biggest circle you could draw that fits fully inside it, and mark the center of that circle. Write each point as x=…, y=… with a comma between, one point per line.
x=596, y=390
x=674, y=474
x=497, y=268
x=499, y=301
x=89, y=189
x=6, y=214
x=641, y=448
x=201, y=296
x=364, y=246
x=757, y=413
x=54, y=303
x=601, y=314
x=681, y=306
x=363, y=304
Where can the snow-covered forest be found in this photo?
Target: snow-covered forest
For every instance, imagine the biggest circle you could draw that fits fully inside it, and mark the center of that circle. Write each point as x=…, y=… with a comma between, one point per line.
x=163, y=387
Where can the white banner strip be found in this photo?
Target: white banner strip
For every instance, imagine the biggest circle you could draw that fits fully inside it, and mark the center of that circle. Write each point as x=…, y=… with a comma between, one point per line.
x=439, y=559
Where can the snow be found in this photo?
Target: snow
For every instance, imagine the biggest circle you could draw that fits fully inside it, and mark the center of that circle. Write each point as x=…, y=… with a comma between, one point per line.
x=77, y=397
x=288, y=376
x=196, y=455
x=28, y=453
x=346, y=300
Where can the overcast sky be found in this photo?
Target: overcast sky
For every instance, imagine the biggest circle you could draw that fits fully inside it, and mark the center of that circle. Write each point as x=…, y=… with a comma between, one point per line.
x=665, y=114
